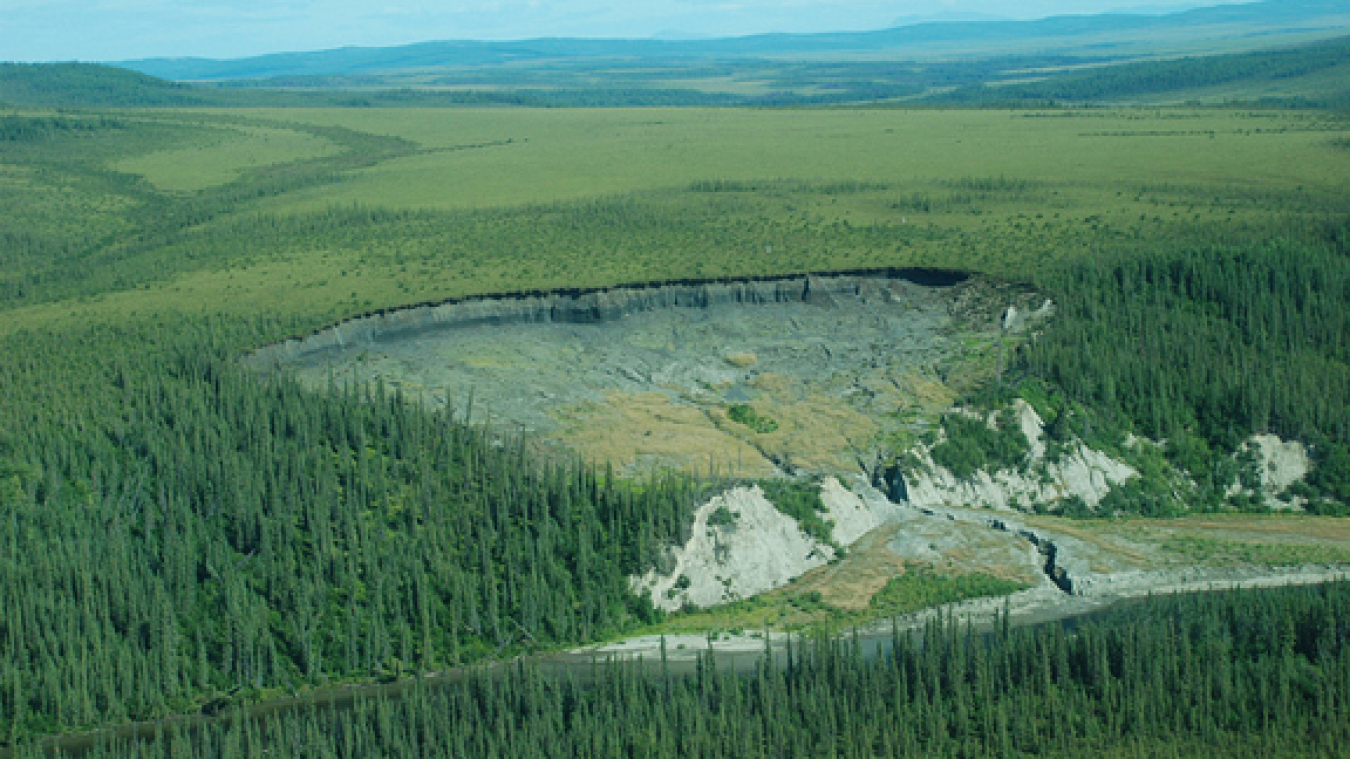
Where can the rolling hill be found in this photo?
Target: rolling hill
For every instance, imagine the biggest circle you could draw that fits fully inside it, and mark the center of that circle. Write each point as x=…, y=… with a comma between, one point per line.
x=85, y=85
x=1316, y=75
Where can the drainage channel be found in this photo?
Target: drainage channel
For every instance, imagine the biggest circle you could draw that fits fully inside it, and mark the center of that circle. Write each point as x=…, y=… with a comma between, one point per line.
x=1051, y=567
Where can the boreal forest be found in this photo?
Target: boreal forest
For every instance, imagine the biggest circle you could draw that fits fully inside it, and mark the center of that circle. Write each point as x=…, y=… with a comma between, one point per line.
x=1108, y=247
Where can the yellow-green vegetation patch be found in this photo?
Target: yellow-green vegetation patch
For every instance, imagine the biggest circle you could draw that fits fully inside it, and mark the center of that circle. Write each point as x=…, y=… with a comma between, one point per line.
x=221, y=154
x=1221, y=551
x=916, y=588
x=799, y=426
x=475, y=158
x=638, y=432
x=1228, y=539
x=850, y=582
x=1253, y=539
x=806, y=427
x=741, y=360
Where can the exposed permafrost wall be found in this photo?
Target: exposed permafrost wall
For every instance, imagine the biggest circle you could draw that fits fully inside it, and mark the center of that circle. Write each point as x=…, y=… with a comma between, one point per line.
x=583, y=307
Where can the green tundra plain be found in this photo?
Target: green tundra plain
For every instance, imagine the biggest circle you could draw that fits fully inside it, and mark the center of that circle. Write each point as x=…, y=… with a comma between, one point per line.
x=411, y=202
x=179, y=534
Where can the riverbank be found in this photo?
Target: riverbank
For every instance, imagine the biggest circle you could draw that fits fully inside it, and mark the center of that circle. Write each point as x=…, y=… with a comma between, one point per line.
x=1039, y=605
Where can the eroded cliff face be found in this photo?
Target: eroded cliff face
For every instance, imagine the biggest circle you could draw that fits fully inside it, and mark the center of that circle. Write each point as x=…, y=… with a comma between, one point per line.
x=740, y=545
x=582, y=307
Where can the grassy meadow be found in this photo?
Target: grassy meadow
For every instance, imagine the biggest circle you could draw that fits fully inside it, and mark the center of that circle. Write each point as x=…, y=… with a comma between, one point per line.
x=221, y=155
x=321, y=214
x=551, y=156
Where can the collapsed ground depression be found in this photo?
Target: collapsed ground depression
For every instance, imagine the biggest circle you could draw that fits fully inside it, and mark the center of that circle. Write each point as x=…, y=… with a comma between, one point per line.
x=754, y=378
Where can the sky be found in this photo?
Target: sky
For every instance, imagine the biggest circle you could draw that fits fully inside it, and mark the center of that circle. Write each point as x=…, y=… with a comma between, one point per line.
x=115, y=30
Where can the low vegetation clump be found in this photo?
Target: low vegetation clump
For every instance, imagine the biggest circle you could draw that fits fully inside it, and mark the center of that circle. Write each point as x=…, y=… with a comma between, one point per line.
x=971, y=444
x=744, y=413
x=921, y=588
x=800, y=499
x=723, y=517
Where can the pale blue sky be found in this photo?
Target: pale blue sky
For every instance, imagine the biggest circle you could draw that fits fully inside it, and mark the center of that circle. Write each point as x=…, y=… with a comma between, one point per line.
x=109, y=30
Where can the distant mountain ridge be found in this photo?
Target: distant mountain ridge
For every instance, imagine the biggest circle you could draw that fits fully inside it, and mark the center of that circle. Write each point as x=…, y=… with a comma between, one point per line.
x=1307, y=75
x=1063, y=32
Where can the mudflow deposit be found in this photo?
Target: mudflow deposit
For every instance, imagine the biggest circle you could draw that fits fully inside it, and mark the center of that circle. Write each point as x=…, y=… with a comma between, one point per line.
x=797, y=376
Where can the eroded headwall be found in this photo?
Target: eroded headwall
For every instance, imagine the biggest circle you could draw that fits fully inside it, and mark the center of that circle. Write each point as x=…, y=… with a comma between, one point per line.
x=582, y=307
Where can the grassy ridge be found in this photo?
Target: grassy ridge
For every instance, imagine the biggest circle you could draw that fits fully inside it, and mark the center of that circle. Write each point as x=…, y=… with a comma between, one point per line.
x=80, y=85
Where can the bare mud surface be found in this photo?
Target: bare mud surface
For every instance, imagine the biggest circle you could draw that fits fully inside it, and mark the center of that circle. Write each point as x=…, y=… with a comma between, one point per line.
x=824, y=370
